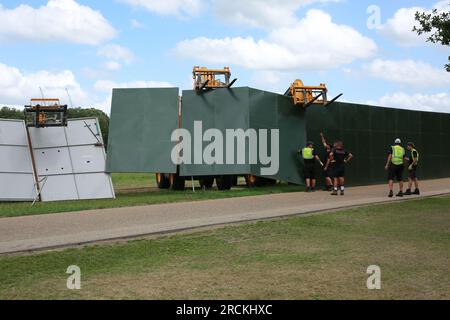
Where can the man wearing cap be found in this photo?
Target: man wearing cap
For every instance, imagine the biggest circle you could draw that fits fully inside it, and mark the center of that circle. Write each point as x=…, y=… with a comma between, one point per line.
x=412, y=168
x=395, y=166
x=309, y=156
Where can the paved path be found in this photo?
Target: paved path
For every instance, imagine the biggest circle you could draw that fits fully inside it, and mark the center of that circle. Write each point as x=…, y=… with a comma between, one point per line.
x=30, y=233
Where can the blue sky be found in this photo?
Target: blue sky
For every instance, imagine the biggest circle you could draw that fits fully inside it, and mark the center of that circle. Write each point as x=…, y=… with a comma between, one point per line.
x=89, y=47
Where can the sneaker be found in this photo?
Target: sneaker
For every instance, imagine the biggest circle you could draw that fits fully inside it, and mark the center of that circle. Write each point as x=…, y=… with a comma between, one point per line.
x=400, y=194
x=417, y=192
x=313, y=190
x=334, y=193
x=408, y=192
x=391, y=194
x=342, y=192
x=307, y=190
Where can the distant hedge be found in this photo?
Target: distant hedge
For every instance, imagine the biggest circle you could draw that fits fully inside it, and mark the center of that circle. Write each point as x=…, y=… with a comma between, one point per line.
x=73, y=113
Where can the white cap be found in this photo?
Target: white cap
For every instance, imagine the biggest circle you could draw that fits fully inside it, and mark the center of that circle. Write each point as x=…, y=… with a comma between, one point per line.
x=398, y=141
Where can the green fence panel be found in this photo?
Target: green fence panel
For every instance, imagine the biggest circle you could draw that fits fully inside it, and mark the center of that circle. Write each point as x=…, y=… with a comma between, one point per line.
x=369, y=131
x=217, y=109
x=142, y=122
x=246, y=108
x=273, y=111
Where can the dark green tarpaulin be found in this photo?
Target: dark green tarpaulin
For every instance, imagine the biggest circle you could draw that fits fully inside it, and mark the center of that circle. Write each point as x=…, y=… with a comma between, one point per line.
x=369, y=131
x=247, y=108
x=142, y=122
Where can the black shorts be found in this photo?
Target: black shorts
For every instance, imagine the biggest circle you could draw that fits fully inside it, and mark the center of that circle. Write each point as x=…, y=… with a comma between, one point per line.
x=396, y=172
x=413, y=173
x=328, y=173
x=309, y=171
x=339, y=171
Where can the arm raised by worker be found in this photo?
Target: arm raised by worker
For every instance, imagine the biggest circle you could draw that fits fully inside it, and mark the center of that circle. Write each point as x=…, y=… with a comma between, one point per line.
x=324, y=141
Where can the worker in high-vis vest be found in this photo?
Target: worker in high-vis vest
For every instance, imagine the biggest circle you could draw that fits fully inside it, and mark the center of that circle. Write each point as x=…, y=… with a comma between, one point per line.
x=413, y=160
x=309, y=156
x=395, y=165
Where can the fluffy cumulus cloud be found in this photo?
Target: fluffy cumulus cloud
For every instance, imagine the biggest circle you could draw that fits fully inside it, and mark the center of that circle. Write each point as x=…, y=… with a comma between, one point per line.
x=116, y=52
x=399, y=27
x=313, y=43
x=408, y=72
x=58, y=20
x=112, y=65
x=260, y=14
x=105, y=88
x=181, y=8
x=107, y=85
x=17, y=87
x=439, y=102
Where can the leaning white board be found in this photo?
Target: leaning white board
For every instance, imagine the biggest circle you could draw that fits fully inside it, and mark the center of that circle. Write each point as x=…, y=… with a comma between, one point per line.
x=16, y=169
x=70, y=161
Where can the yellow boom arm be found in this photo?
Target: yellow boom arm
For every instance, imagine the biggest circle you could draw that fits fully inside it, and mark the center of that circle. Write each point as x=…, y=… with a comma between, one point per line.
x=207, y=79
x=309, y=95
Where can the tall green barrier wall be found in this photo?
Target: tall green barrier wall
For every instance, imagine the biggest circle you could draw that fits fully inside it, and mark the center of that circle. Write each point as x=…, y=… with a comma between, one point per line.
x=142, y=121
x=245, y=108
x=369, y=131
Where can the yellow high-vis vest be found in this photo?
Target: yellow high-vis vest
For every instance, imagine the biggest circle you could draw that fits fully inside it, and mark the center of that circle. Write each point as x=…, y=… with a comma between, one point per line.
x=308, y=153
x=398, y=153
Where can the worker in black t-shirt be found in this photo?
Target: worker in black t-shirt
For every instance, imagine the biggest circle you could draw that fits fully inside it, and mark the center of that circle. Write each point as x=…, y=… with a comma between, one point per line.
x=327, y=174
x=339, y=157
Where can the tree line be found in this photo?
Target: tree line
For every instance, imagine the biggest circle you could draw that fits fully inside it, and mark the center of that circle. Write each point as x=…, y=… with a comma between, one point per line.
x=73, y=113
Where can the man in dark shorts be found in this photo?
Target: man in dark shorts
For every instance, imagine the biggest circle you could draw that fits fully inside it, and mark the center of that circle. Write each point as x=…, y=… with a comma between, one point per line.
x=412, y=168
x=395, y=166
x=339, y=157
x=309, y=156
x=327, y=174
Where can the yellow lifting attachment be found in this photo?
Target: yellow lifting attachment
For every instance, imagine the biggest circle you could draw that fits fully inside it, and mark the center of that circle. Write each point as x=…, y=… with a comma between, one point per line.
x=306, y=96
x=42, y=113
x=208, y=79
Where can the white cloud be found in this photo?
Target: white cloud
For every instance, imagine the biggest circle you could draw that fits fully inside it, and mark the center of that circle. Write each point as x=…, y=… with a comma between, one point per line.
x=136, y=24
x=399, y=27
x=112, y=65
x=313, y=43
x=17, y=87
x=169, y=7
x=58, y=20
x=261, y=14
x=439, y=102
x=108, y=85
x=408, y=72
x=116, y=53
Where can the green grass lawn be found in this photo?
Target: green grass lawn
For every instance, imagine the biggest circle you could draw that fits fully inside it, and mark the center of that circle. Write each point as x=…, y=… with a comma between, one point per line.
x=136, y=181
x=316, y=257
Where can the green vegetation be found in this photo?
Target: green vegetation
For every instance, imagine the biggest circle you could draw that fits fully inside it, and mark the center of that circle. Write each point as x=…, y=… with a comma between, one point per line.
x=10, y=113
x=133, y=198
x=73, y=113
x=124, y=181
x=103, y=119
x=316, y=257
x=437, y=25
